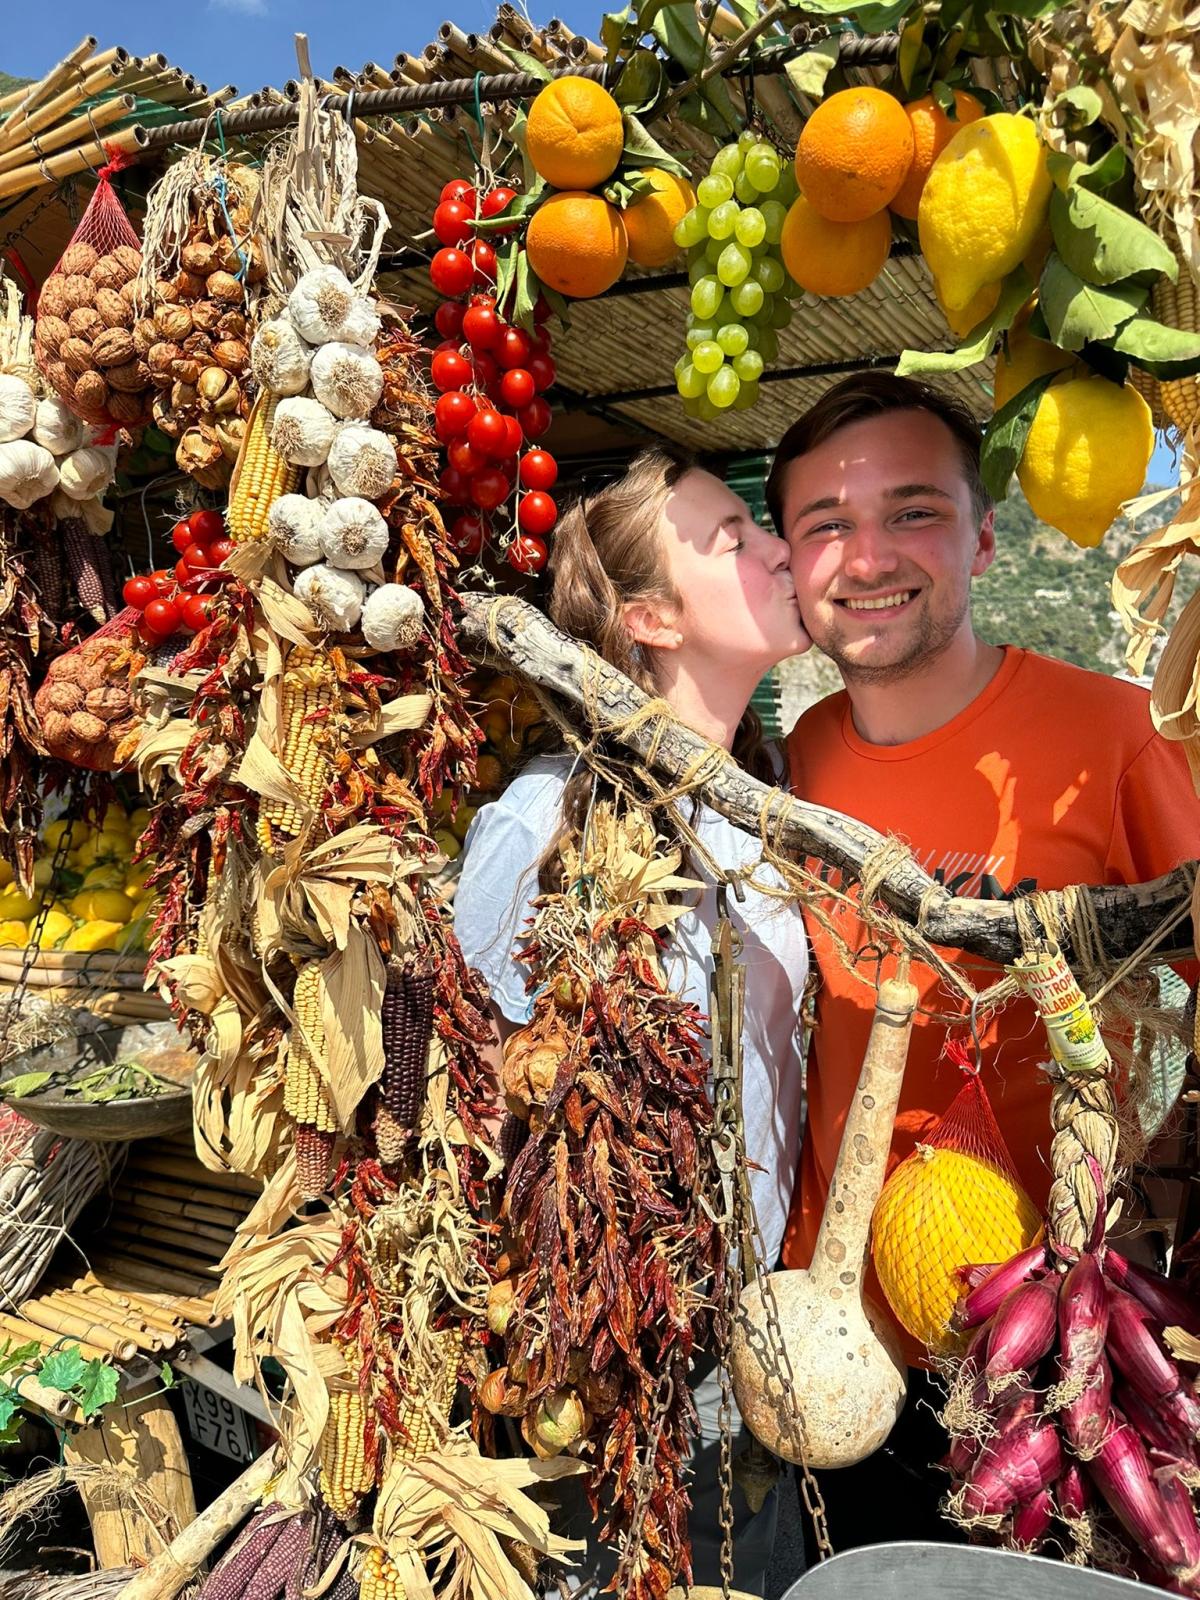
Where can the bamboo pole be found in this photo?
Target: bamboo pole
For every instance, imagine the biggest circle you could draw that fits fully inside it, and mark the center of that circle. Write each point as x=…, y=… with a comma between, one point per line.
x=171, y=1167
x=149, y=1275
x=76, y=128
x=66, y=1324
x=153, y=1206
x=64, y=165
x=18, y=130
x=20, y=100
x=153, y=1224
x=30, y=1332
x=54, y=1403
x=155, y=1237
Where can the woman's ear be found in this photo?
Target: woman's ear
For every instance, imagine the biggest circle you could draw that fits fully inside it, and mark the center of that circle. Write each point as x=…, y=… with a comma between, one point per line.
x=654, y=623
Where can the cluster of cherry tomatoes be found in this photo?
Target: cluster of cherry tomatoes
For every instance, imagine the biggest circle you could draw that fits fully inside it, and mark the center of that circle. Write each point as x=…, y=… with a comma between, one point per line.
x=172, y=600
x=490, y=376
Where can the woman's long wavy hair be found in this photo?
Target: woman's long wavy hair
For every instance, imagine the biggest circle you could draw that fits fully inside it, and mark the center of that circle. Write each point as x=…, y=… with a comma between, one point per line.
x=608, y=552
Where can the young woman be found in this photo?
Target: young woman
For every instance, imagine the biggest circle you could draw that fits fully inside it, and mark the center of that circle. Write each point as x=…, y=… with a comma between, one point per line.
x=666, y=575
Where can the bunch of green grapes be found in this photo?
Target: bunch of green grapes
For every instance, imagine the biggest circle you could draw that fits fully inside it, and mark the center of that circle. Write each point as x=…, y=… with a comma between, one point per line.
x=740, y=288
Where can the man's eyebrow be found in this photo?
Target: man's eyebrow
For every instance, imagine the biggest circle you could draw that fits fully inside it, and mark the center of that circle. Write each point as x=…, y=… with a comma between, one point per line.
x=829, y=503
x=910, y=491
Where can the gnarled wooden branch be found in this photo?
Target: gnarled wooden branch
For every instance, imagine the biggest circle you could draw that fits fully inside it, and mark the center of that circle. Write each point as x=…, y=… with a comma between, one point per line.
x=517, y=636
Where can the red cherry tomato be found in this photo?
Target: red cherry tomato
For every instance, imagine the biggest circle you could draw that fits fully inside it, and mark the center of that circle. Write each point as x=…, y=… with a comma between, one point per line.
x=513, y=349
x=527, y=552
x=467, y=533
x=489, y=489
x=219, y=551
x=483, y=258
x=183, y=575
x=206, y=526
x=516, y=388
x=536, y=512
x=182, y=536
x=481, y=328
x=515, y=438
x=164, y=581
x=485, y=367
x=448, y=320
x=542, y=370
x=139, y=592
x=487, y=434
x=463, y=459
x=162, y=617
x=454, y=485
x=449, y=370
x=459, y=189
x=451, y=272
x=453, y=411
x=197, y=557
x=452, y=221
x=498, y=200
x=196, y=611
x=539, y=470
x=535, y=418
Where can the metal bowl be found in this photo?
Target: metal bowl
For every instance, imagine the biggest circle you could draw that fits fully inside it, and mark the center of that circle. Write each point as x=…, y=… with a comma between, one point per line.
x=157, y=1046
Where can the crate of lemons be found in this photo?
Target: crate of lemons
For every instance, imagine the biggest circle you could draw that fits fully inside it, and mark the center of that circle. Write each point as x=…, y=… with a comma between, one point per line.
x=513, y=725
x=98, y=898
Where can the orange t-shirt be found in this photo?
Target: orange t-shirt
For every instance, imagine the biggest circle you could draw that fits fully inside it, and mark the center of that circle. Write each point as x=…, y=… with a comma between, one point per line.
x=1051, y=776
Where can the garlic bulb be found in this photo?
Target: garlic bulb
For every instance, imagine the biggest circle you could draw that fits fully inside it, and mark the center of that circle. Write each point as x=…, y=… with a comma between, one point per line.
x=85, y=472
x=279, y=358
x=302, y=432
x=324, y=306
x=362, y=461
x=27, y=473
x=318, y=485
x=18, y=404
x=96, y=517
x=334, y=598
x=56, y=427
x=346, y=379
x=393, y=617
x=353, y=534
x=294, y=523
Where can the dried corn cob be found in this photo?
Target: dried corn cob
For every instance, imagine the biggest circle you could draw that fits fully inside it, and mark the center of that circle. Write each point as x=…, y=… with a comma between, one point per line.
x=1178, y=306
x=347, y=1473
x=306, y=691
x=84, y=567
x=419, y=1433
x=262, y=476
x=407, y=1029
x=378, y=1579
x=47, y=553
x=390, y=1137
x=513, y=1133
x=305, y=1096
x=229, y=1578
x=273, y=1572
x=313, y=1152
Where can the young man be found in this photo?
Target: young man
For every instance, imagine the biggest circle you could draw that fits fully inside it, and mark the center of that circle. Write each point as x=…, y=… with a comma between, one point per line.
x=1004, y=771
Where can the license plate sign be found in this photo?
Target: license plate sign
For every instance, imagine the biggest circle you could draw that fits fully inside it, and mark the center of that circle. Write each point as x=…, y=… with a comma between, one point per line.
x=217, y=1423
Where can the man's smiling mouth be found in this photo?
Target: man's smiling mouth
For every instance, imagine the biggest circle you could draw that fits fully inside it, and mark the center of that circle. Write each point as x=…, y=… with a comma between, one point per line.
x=887, y=602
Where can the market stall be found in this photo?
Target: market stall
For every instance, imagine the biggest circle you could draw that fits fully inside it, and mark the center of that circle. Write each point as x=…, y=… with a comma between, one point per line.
x=293, y=388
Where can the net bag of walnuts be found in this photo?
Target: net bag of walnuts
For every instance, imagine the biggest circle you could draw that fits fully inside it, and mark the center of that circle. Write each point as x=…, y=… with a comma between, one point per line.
x=85, y=706
x=86, y=312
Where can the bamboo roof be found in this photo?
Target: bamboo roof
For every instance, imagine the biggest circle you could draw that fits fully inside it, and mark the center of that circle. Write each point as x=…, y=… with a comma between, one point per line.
x=615, y=348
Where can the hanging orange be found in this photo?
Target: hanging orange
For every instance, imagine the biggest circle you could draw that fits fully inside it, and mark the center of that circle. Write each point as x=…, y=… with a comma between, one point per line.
x=651, y=221
x=854, y=153
x=576, y=244
x=574, y=133
x=833, y=258
x=932, y=131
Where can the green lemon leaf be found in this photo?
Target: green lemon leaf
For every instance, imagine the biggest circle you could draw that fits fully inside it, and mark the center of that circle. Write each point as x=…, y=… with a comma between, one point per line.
x=1101, y=243
x=948, y=50
x=980, y=342
x=62, y=1369
x=98, y=1386
x=642, y=150
x=808, y=72
x=1077, y=312
x=1004, y=441
x=943, y=96
x=912, y=39
x=641, y=82
x=522, y=298
x=677, y=28
x=614, y=25
x=517, y=209
x=1081, y=105
x=25, y=1083
x=525, y=63
x=1166, y=352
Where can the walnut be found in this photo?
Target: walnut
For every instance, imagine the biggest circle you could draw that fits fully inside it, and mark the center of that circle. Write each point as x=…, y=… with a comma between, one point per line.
x=117, y=313
x=108, y=273
x=53, y=301
x=131, y=293
x=173, y=322
x=86, y=727
x=225, y=287
x=190, y=285
x=130, y=376
x=231, y=354
x=62, y=695
x=52, y=331
x=61, y=378
x=128, y=409
x=130, y=258
x=78, y=258
x=79, y=291
x=165, y=292
x=206, y=315
x=113, y=348
x=91, y=392
x=85, y=323
x=56, y=729
x=160, y=357
x=199, y=258
x=145, y=335
x=110, y=702
x=77, y=353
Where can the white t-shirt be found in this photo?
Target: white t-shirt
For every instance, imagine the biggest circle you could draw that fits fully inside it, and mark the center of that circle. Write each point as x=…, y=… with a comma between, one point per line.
x=503, y=847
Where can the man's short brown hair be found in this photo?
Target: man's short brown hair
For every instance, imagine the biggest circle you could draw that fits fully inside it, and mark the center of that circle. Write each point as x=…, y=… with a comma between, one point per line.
x=875, y=394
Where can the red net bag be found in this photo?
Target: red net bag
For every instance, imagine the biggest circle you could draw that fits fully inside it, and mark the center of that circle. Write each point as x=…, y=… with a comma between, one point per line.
x=89, y=344
x=84, y=706
x=953, y=1203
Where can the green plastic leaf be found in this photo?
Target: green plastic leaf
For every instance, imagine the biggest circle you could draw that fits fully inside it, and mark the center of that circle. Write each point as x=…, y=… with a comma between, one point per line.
x=20, y=1355
x=1165, y=352
x=614, y=25
x=525, y=62
x=980, y=342
x=808, y=72
x=641, y=83
x=62, y=1369
x=166, y=1375
x=98, y=1386
x=25, y=1083
x=1101, y=243
x=1004, y=441
x=10, y=1414
x=642, y=150
x=1077, y=312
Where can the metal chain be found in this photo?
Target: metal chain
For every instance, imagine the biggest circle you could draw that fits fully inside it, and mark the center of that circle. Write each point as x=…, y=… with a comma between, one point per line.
x=631, y=1550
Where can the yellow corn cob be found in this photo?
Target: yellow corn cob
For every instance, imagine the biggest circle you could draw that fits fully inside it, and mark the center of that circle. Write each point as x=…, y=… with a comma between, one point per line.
x=308, y=685
x=305, y=1096
x=262, y=476
x=346, y=1474
x=419, y=1433
x=378, y=1579
x=1178, y=306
